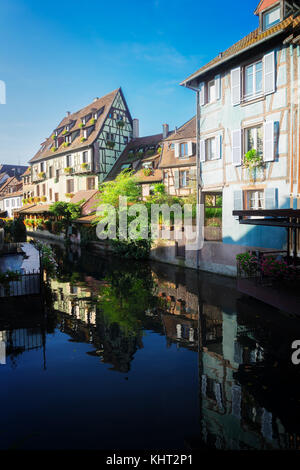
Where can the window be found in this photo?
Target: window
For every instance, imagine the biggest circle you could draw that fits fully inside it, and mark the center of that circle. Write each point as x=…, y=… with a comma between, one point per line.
x=69, y=160
x=110, y=136
x=56, y=197
x=183, y=179
x=210, y=149
x=42, y=166
x=50, y=172
x=125, y=140
x=44, y=189
x=85, y=133
x=271, y=17
x=253, y=79
x=38, y=191
x=50, y=194
x=57, y=175
x=253, y=139
x=183, y=150
x=7, y=202
x=84, y=157
x=90, y=183
x=255, y=200
x=13, y=202
x=70, y=186
x=211, y=91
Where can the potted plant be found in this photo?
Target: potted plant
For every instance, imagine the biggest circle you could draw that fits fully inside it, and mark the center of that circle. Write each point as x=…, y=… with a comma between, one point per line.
x=252, y=160
x=53, y=137
x=69, y=195
x=120, y=124
x=92, y=121
x=81, y=125
x=84, y=166
x=42, y=175
x=68, y=170
x=37, y=199
x=65, y=132
x=110, y=144
x=66, y=144
x=247, y=264
x=53, y=149
x=82, y=139
x=43, y=198
x=147, y=171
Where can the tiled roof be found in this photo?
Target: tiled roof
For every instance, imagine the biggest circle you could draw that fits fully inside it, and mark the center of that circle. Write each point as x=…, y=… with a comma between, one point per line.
x=87, y=219
x=254, y=38
x=155, y=177
x=263, y=4
x=8, y=182
x=84, y=195
x=15, y=194
x=106, y=102
x=35, y=209
x=187, y=131
x=136, y=144
x=27, y=172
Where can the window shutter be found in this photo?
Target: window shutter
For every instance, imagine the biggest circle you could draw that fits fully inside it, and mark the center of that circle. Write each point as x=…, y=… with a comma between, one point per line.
x=218, y=87
x=236, y=86
x=176, y=179
x=238, y=202
x=219, y=146
x=269, y=144
x=236, y=137
x=271, y=200
x=269, y=73
x=176, y=150
x=202, y=94
x=202, y=151
x=190, y=149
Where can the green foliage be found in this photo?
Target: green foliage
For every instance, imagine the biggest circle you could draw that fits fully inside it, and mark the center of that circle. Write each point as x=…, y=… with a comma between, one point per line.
x=252, y=159
x=15, y=230
x=132, y=249
x=125, y=184
x=125, y=297
x=87, y=234
x=67, y=210
x=47, y=258
x=248, y=263
x=213, y=212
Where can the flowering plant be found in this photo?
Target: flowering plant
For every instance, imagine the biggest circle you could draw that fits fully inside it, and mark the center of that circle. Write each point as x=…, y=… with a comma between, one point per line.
x=248, y=263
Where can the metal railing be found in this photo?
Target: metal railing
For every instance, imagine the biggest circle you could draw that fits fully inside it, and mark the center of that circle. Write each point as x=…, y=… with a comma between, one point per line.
x=28, y=283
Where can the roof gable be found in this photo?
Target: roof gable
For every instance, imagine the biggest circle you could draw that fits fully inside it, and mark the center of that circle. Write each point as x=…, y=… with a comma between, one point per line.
x=103, y=104
x=264, y=4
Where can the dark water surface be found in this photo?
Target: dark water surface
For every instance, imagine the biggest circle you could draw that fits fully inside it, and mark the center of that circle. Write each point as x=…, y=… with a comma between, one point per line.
x=121, y=355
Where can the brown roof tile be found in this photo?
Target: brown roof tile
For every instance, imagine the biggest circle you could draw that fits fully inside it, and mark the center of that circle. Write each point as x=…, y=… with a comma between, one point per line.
x=255, y=37
x=187, y=131
x=155, y=177
x=106, y=102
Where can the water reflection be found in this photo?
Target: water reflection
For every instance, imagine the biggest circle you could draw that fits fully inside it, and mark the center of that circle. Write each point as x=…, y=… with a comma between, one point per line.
x=247, y=386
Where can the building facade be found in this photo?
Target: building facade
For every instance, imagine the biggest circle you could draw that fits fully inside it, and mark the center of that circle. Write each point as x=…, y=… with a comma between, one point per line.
x=82, y=149
x=248, y=110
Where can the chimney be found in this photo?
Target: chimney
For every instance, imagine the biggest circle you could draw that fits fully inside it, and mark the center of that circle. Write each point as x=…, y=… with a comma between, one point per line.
x=96, y=99
x=136, y=128
x=165, y=130
x=68, y=113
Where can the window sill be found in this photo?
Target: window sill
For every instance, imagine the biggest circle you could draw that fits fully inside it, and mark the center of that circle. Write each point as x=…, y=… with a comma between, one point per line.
x=252, y=100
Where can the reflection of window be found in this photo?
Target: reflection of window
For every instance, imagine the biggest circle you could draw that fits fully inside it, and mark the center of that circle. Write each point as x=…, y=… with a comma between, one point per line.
x=254, y=139
x=253, y=79
x=255, y=200
x=210, y=148
x=271, y=17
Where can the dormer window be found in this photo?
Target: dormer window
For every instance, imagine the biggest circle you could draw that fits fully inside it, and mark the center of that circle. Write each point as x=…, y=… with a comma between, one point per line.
x=96, y=116
x=271, y=18
x=84, y=120
x=85, y=133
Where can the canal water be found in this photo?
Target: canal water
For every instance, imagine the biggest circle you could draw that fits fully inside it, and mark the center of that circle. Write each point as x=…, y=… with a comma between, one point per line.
x=123, y=355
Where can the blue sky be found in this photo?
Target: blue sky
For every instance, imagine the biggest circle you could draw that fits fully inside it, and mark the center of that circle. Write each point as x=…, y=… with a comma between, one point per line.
x=57, y=56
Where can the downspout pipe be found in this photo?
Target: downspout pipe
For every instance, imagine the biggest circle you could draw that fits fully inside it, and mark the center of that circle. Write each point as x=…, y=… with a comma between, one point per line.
x=198, y=163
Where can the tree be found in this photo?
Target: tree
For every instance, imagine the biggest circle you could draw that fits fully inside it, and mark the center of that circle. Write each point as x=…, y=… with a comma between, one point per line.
x=68, y=211
x=125, y=184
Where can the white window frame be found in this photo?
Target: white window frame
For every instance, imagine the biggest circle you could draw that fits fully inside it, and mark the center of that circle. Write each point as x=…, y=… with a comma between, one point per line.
x=245, y=142
x=186, y=179
x=186, y=150
x=256, y=193
x=254, y=94
x=207, y=149
x=268, y=12
x=209, y=99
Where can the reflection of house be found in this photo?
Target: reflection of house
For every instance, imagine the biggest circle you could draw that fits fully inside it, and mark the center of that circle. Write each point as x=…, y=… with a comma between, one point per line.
x=249, y=127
